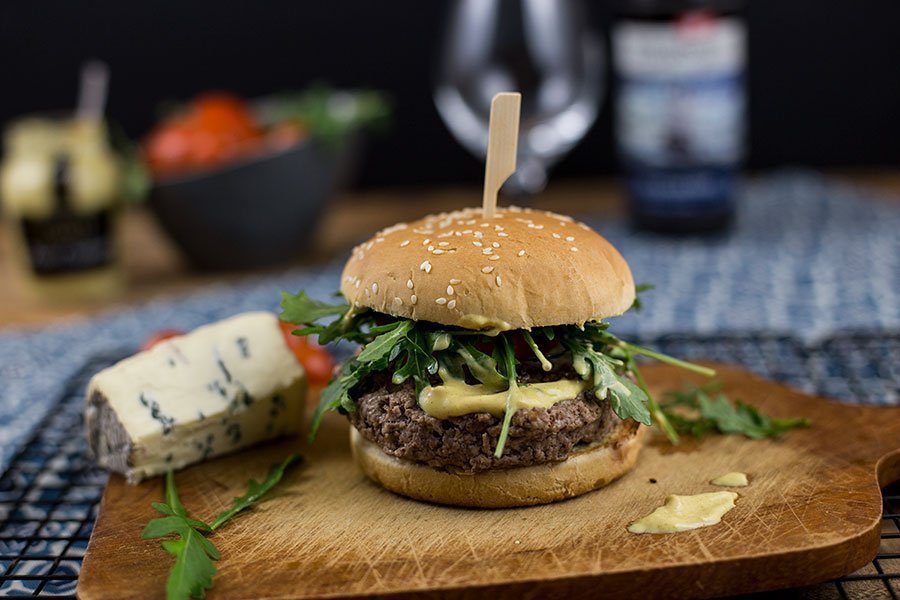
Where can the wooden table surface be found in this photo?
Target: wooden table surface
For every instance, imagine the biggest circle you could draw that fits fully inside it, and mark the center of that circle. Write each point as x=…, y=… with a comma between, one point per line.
x=154, y=268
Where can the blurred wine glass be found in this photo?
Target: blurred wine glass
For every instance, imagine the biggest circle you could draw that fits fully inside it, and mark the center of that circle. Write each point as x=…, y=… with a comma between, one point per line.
x=541, y=48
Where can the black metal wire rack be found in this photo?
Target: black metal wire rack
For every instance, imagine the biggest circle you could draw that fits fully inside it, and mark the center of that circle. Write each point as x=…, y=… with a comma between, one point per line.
x=49, y=495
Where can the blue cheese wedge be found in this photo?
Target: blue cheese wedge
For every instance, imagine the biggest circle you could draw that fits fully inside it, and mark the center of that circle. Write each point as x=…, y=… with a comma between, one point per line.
x=218, y=389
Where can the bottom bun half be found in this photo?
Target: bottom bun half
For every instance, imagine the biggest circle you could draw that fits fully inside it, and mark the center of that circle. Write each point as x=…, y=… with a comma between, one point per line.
x=586, y=469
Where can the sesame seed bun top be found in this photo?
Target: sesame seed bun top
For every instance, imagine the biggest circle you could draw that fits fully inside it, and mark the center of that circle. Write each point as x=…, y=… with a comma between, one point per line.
x=520, y=269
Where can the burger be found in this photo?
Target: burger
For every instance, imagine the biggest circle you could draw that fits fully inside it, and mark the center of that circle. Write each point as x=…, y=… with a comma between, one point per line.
x=487, y=375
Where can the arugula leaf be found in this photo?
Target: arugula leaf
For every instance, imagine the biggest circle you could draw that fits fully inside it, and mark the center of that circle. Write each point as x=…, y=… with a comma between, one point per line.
x=255, y=491
x=193, y=571
x=637, y=305
x=384, y=343
x=545, y=364
x=718, y=414
x=509, y=359
x=301, y=309
x=192, y=574
x=480, y=365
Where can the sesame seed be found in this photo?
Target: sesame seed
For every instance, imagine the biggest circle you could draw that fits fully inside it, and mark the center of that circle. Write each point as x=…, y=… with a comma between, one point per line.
x=409, y=283
x=404, y=243
x=498, y=280
x=483, y=225
x=503, y=234
x=413, y=299
x=397, y=300
x=477, y=244
x=494, y=257
x=479, y=234
x=538, y=226
x=431, y=248
x=441, y=300
x=374, y=288
x=451, y=304
x=425, y=266
x=487, y=269
x=570, y=238
x=443, y=243
x=379, y=239
x=496, y=244
x=573, y=249
x=438, y=251
x=487, y=251
x=455, y=281
x=426, y=241
x=449, y=290
x=556, y=235
x=521, y=253
x=356, y=285
x=467, y=231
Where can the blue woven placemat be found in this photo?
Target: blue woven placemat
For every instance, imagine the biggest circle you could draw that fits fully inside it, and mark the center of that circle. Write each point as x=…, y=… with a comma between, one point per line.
x=809, y=257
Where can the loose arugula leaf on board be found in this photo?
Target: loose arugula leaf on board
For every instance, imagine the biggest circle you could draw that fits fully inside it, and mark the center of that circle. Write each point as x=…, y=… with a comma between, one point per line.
x=255, y=491
x=301, y=309
x=193, y=571
x=718, y=414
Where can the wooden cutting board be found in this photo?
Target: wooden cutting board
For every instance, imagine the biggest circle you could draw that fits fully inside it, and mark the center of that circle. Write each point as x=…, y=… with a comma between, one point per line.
x=811, y=513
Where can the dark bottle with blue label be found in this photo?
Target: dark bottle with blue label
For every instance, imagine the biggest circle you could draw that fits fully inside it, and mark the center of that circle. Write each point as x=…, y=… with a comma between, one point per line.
x=680, y=107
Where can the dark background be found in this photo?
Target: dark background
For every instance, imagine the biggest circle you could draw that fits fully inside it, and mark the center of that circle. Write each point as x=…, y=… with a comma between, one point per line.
x=824, y=75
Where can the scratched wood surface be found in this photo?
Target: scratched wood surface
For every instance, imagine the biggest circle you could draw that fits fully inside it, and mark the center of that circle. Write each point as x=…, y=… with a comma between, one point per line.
x=811, y=513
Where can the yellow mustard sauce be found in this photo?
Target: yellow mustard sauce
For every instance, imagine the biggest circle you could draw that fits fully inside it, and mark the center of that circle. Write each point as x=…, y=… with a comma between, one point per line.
x=681, y=513
x=733, y=479
x=455, y=398
x=480, y=322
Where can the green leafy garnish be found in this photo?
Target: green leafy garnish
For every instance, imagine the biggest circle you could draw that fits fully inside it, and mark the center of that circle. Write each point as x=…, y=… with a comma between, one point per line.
x=637, y=305
x=300, y=308
x=191, y=575
x=717, y=414
x=255, y=491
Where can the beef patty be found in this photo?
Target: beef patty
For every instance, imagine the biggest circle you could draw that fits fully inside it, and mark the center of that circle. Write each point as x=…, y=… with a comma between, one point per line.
x=389, y=416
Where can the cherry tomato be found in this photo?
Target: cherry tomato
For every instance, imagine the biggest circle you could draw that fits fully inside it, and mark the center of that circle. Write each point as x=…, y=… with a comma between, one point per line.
x=316, y=360
x=159, y=336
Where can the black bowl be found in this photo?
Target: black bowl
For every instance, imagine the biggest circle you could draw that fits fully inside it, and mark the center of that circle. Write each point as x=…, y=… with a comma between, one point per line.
x=259, y=212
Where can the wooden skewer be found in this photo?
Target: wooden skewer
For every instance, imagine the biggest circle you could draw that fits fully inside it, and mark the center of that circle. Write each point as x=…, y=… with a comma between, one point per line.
x=503, y=139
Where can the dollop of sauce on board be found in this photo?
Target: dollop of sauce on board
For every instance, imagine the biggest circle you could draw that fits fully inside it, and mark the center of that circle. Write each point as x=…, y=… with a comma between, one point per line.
x=733, y=479
x=682, y=513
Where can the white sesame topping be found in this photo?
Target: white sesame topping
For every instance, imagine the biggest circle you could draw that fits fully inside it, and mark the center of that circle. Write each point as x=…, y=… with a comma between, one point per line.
x=538, y=226
x=520, y=253
x=397, y=300
x=498, y=228
x=438, y=251
x=467, y=231
x=404, y=243
x=573, y=249
x=556, y=235
x=425, y=266
x=449, y=290
x=570, y=238
x=479, y=234
x=487, y=269
x=496, y=244
x=443, y=243
x=356, y=284
x=483, y=225
x=455, y=281
x=374, y=288
x=451, y=304
x=409, y=283
x=477, y=244
x=487, y=251
x=494, y=257
x=431, y=248
x=441, y=300
x=503, y=234
x=426, y=241
x=379, y=239
x=498, y=280
x=413, y=299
